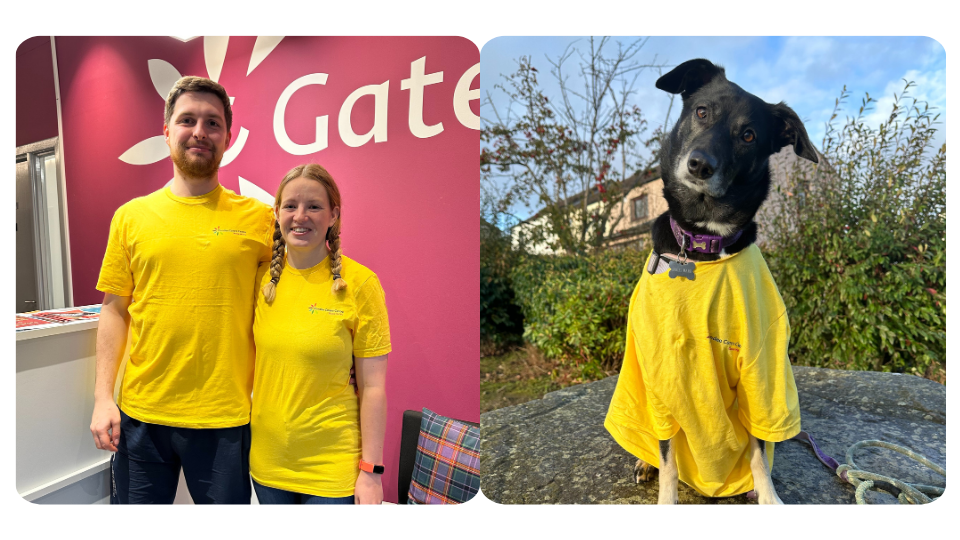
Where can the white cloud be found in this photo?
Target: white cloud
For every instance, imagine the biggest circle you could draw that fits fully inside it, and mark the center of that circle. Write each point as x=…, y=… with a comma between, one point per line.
x=930, y=87
x=799, y=55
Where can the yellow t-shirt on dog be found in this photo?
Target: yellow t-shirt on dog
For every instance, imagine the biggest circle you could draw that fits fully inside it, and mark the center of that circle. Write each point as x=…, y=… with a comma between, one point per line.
x=706, y=363
x=190, y=266
x=305, y=426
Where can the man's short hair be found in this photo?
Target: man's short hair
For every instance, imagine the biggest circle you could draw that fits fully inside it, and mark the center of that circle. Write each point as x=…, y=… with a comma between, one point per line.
x=197, y=84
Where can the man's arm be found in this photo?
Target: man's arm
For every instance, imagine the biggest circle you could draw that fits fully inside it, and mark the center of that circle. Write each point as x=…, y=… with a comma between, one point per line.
x=372, y=382
x=111, y=342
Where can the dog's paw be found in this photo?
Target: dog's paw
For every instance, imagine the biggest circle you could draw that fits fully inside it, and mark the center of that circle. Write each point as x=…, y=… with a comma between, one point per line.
x=769, y=498
x=643, y=471
x=668, y=499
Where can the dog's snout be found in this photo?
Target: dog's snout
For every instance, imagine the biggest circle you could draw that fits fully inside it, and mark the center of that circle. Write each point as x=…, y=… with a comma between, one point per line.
x=701, y=165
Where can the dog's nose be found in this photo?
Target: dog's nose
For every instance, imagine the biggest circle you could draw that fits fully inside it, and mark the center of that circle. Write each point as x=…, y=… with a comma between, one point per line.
x=701, y=165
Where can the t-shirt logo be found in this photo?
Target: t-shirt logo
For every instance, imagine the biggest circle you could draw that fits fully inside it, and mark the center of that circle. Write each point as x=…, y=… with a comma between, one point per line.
x=314, y=309
x=732, y=345
x=218, y=231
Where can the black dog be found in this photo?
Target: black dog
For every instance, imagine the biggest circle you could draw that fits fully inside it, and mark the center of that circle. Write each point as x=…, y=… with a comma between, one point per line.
x=714, y=164
x=715, y=160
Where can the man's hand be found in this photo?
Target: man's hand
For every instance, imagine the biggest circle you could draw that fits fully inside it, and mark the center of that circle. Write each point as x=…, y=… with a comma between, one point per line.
x=105, y=425
x=369, y=489
x=111, y=341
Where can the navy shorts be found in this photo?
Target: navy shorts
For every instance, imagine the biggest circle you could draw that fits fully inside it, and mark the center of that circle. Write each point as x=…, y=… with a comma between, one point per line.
x=146, y=466
x=269, y=495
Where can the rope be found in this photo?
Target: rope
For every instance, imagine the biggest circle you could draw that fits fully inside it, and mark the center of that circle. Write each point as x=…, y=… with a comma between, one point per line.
x=905, y=492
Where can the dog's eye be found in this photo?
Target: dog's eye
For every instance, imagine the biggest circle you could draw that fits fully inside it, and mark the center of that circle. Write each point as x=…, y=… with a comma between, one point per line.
x=749, y=135
x=701, y=112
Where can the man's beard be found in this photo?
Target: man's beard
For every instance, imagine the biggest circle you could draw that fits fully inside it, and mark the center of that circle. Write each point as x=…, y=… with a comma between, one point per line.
x=199, y=167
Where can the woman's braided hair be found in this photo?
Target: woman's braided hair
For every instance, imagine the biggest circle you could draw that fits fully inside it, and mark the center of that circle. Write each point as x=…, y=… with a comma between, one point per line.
x=318, y=173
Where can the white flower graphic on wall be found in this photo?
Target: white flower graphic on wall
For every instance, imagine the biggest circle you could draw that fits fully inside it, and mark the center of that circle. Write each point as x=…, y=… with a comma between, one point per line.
x=164, y=75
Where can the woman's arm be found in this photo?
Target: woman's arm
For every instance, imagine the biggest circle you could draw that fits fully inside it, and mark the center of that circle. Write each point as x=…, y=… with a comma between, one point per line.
x=371, y=382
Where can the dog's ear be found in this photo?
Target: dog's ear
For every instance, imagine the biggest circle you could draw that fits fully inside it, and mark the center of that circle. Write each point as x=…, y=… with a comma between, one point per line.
x=689, y=77
x=788, y=129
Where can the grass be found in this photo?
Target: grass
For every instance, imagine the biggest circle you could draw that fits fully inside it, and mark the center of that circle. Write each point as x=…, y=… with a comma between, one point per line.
x=520, y=375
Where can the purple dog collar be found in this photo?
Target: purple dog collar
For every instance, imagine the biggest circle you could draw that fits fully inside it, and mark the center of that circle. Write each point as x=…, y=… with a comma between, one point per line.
x=702, y=243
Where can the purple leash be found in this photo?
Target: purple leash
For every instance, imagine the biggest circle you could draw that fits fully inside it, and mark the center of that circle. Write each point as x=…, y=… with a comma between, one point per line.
x=821, y=455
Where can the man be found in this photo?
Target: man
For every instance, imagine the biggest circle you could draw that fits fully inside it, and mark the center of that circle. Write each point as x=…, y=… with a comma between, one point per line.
x=180, y=269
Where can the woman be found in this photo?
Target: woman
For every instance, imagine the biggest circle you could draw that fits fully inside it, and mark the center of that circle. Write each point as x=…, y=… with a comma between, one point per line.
x=314, y=440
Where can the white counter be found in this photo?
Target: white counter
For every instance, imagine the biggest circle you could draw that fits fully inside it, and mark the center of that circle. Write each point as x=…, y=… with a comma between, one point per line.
x=57, y=461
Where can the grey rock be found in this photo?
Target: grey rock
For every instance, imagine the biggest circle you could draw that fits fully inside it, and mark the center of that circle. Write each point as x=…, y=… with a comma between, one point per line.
x=556, y=451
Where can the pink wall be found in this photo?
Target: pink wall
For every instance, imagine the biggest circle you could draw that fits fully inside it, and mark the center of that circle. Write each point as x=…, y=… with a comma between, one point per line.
x=409, y=203
x=36, y=97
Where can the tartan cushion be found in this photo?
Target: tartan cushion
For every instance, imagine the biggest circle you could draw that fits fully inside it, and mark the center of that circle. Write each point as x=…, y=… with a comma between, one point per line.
x=446, y=469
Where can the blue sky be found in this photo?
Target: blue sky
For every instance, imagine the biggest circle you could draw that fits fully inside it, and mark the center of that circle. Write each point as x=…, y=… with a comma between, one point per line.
x=807, y=73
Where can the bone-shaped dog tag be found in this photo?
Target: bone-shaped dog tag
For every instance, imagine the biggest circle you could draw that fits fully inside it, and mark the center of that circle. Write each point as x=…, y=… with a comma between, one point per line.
x=686, y=269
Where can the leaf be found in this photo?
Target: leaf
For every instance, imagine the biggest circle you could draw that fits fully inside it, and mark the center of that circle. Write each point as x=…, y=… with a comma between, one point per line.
x=261, y=49
x=249, y=189
x=214, y=53
x=146, y=151
x=163, y=76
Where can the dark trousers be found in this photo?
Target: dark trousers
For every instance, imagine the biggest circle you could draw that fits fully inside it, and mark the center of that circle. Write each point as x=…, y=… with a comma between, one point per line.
x=269, y=495
x=146, y=467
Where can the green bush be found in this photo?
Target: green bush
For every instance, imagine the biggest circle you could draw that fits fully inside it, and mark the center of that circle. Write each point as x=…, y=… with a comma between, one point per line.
x=858, y=246
x=501, y=321
x=575, y=307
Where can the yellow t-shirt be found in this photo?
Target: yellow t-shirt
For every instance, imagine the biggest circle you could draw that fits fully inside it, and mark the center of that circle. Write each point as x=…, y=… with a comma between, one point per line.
x=190, y=266
x=706, y=361
x=305, y=427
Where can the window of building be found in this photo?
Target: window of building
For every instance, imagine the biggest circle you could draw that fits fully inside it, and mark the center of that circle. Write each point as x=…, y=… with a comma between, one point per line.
x=640, y=211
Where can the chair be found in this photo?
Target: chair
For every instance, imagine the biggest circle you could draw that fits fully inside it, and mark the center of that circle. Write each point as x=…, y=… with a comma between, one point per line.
x=409, y=435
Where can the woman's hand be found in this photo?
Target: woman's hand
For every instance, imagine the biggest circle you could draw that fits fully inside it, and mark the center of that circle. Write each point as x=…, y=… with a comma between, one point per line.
x=369, y=489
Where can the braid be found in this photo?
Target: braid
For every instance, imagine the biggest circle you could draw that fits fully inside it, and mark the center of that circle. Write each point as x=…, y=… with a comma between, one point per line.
x=276, y=265
x=333, y=237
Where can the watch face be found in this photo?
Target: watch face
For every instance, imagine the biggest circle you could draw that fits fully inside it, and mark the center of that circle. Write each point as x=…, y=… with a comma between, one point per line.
x=370, y=467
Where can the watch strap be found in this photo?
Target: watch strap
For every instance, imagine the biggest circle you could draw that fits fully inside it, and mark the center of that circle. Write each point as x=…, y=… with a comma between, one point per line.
x=370, y=467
